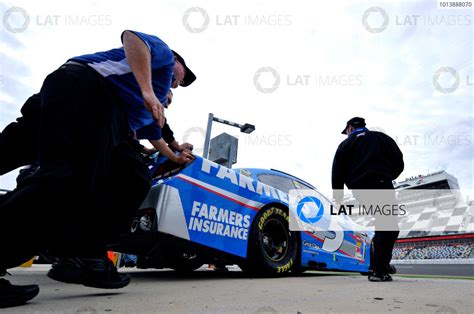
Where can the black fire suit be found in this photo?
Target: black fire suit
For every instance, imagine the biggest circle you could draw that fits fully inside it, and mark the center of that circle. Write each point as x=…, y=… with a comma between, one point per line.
x=369, y=160
x=91, y=177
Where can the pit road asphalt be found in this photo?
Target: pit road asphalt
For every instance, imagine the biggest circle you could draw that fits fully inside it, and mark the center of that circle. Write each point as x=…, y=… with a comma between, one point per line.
x=209, y=291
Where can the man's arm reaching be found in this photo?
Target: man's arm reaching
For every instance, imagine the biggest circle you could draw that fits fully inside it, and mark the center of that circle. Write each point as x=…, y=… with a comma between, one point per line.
x=163, y=148
x=139, y=58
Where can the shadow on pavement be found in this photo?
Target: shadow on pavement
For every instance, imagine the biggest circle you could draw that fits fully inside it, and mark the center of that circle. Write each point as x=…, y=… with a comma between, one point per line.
x=88, y=295
x=170, y=275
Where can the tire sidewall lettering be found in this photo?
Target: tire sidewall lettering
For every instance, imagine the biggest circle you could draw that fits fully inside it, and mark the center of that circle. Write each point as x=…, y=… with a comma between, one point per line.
x=285, y=268
x=268, y=212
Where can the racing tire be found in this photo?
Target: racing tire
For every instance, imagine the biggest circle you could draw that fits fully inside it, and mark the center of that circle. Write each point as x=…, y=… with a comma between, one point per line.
x=272, y=248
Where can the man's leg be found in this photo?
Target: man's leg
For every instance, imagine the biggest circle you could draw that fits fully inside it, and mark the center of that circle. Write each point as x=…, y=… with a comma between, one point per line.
x=121, y=195
x=32, y=218
x=75, y=144
x=372, y=258
x=377, y=263
x=389, y=239
x=20, y=234
x=78, y=140
x=126, y=188
x=24, y=224
x=19, y=147
x=383, y=244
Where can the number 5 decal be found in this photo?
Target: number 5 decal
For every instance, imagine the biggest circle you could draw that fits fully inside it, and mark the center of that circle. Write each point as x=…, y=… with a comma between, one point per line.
x=332, y=240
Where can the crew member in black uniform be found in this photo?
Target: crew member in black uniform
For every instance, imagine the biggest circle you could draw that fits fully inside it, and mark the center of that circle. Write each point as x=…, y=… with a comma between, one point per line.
x=369, y=160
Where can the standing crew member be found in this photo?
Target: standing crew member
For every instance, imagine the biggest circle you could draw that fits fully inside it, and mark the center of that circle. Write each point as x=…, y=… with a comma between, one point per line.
x=369, y=160
x=18, y=144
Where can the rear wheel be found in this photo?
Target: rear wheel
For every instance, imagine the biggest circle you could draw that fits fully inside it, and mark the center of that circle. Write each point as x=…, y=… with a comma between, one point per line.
x=272, y=246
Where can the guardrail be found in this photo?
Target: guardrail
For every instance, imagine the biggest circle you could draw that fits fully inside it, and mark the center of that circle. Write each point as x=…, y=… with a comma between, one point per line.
x=433, y=261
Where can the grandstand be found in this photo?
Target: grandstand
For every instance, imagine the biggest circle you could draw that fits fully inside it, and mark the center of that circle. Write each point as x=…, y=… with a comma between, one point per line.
x=459, y=246
x=434, y=204
x=448, y=222
x=440, y=224
x=440, y=180
x=437, y=213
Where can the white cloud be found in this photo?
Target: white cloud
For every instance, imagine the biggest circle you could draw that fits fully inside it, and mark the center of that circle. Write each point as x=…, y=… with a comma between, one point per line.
x=393, y=71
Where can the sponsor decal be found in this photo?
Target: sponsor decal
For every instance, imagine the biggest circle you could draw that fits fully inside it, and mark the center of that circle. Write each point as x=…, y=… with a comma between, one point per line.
x=242, y=181
x=245, y=172
x=298, y=185
x=358, y=250
x=218, y=221
x=268, y=212
x=311, y=245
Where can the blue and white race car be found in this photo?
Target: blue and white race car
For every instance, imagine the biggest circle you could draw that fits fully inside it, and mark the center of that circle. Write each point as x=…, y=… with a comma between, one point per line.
x=205, y=213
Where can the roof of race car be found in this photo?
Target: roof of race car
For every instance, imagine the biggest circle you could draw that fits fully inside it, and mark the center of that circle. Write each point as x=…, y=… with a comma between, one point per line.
x=258, y=171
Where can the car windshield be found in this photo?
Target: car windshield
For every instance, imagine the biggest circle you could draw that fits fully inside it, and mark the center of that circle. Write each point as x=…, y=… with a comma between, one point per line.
x=282, y=183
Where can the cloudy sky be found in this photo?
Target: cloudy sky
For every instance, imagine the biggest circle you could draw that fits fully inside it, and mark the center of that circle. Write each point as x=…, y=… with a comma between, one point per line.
x=297, y=70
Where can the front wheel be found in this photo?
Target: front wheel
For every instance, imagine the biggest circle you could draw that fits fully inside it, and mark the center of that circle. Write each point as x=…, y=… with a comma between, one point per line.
x=272, y=248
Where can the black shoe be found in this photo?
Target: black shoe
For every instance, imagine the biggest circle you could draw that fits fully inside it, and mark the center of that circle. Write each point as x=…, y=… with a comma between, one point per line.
x=12, y=295
x=68, y=270
x=374, y=277
x=95, y=273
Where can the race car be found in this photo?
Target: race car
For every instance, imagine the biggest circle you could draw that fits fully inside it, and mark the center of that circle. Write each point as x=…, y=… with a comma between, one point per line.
x=206, y=213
